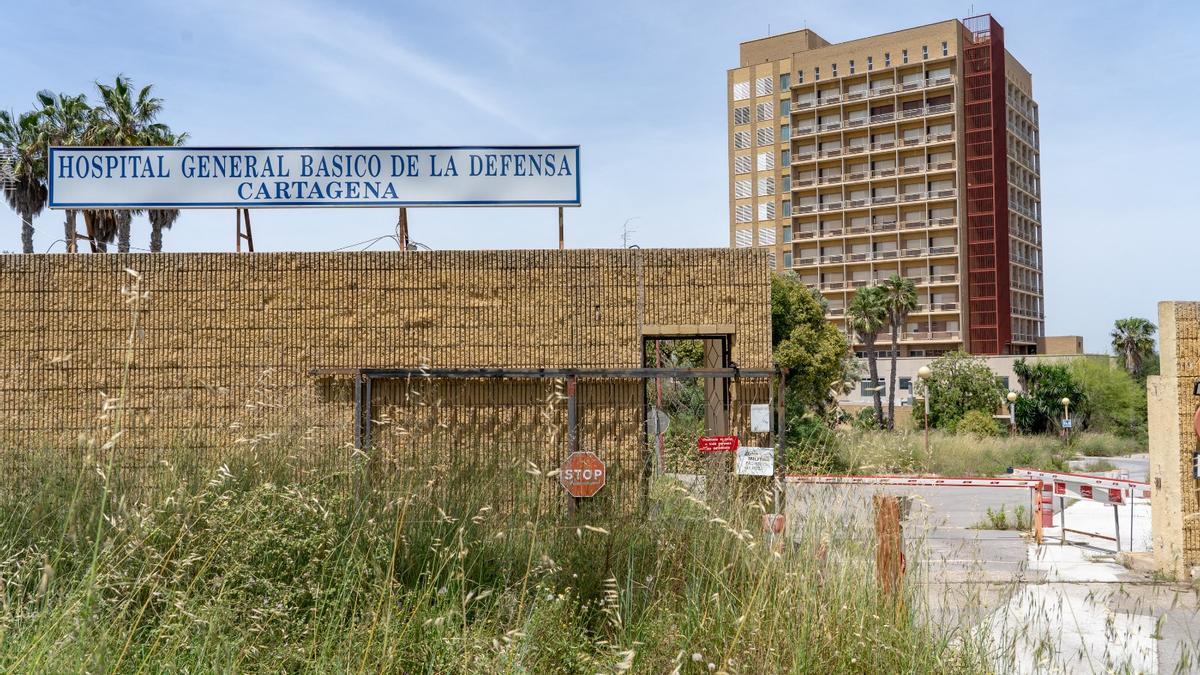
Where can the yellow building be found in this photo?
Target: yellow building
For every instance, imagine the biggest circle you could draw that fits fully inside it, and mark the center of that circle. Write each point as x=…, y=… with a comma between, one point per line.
x=912, y=153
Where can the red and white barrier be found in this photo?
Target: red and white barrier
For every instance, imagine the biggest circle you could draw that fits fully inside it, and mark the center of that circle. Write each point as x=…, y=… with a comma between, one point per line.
x=1034, y=486
x=1099, y=489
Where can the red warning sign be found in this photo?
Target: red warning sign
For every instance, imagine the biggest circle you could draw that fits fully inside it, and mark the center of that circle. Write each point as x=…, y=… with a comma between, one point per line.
x=717, y=443
x=1085, y=491
x=582, y=474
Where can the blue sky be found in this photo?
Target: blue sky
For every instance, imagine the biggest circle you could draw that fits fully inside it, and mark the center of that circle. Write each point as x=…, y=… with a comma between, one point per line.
x=640, y=85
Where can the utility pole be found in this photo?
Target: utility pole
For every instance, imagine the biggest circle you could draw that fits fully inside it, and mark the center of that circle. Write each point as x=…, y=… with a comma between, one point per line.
x=402, y=229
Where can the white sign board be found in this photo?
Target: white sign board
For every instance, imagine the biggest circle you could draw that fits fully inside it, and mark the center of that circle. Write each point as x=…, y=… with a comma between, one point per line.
x=753, y=461
x=760, y=417
x=185, y=177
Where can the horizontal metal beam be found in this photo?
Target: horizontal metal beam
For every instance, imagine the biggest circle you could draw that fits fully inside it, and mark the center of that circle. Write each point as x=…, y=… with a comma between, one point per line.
x=476, y=373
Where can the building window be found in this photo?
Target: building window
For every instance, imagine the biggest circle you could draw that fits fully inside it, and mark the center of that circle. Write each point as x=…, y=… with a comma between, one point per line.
x=741, y=140
x=800, y=76
x=905, y=383
x=742, y=213
x=903, y=56
x=765, y=135
x=887, y=58
x=851, y=66
x=741, y=91
x=816, y=72
x=741, y=164
x=766, y=161
x=786, y=184
x=741, y=189
x=785, y=132
x=785, y=157
x=766, y=187
x=771, y=260
x=741, y=115
x=870, y=64
x=945, y=49
x=787, y=229
x=866, y=388
x=787, y=259
x=833, y=69
x=785, y=81
x=924, y=51
x=766, y=112
x=763, y=86
x=786, y=205
x=743, y=238
x=785, y=107
x=766, y=211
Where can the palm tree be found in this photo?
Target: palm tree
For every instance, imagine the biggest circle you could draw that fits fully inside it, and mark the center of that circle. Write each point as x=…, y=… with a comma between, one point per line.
x=1133, y=339
x=125, y=119
x=900, y=296
x=163, y=219
x=66, y=120
x=868, y=313
x=23, y=135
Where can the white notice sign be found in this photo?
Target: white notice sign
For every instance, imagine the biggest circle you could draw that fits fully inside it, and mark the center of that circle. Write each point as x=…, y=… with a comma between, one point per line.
x=755, y=461
x=207, y=177
x=760, y=417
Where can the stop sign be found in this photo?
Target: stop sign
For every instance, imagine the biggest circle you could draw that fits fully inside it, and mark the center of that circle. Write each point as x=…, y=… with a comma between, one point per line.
x=582, y=474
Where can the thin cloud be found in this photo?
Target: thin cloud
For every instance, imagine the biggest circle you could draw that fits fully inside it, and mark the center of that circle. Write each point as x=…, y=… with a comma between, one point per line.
x=330, y=39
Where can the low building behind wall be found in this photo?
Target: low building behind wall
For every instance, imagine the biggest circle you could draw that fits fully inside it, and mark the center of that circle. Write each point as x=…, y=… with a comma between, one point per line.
x=218, y=354
x=1173, y=402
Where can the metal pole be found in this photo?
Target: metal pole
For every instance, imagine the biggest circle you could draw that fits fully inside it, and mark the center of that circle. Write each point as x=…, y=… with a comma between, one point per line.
x=1117, y=525
x=927, y=419
x=572, y=434
x=358, y=412
x=561, y=245
x=402, y=229
x=1062, y=520
x=658, y=432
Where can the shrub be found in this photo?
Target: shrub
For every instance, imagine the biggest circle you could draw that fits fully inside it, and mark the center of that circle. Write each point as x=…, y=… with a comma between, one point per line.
x=959, y=383
x=1116, y=403
x=978, y=423
x=1046, y=384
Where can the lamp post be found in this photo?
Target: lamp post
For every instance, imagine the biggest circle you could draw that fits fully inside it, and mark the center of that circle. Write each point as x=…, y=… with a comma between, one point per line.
x=1012, y=412
x=923, y=373
x=1066, y=404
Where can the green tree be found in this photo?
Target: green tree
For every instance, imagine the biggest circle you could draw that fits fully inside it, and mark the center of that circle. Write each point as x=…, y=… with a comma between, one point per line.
x=901, y=299
x=959, y=383
x=22, y=135
x=1133, y=340
x=163, y=219
x=1045, y=385
x=125, y=118
x=868, y=312
x=1116, y=403
x=67, y=120
x=814, y=352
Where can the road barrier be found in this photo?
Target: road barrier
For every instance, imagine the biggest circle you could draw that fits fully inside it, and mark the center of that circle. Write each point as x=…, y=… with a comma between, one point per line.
x=1100, y=489
x=1034, y=486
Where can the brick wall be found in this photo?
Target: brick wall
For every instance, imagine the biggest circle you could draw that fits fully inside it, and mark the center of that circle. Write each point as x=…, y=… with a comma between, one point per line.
x=224, y=342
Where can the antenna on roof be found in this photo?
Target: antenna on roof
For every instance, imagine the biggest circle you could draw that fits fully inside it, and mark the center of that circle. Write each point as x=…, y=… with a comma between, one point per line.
x=768, y=30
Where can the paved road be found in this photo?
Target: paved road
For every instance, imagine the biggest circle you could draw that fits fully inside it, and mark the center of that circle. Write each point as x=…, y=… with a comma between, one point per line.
x=1093, y=611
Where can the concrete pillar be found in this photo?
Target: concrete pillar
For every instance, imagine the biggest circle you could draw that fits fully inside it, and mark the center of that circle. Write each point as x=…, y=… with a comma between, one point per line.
x=1171, y=404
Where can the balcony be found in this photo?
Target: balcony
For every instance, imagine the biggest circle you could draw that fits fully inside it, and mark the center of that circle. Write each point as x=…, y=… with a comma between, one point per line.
x=832, y=232
x=930, y=139
x=889, y=226
x=803, y=182
x=943, y=250
x=829, y=180
x=804, y=234
x=925, y=336
x=831, y=259
x=1023, y=210
x=831, y=206
x=833, y=285
x=830, y=126
x=1022, y=260
x=804, y=208
x=835, y=311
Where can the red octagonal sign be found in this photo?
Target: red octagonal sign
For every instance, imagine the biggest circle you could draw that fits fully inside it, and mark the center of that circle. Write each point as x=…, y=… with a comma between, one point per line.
x=582, y=474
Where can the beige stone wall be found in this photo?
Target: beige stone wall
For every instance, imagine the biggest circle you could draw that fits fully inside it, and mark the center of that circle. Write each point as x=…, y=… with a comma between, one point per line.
x=1172, y=406
x=223, y=343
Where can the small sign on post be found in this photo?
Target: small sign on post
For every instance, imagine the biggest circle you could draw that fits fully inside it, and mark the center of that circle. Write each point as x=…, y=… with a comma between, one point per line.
x=760, y=417
x=1067, y=424
x=583, y=474
x=717, y=443
x=753, y=461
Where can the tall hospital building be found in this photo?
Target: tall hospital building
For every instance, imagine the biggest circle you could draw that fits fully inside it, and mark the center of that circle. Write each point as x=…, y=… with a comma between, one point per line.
x=911, y=153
